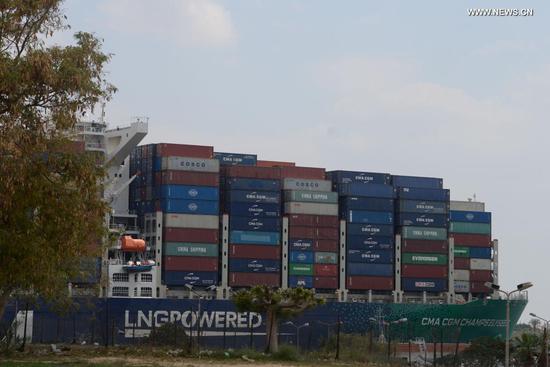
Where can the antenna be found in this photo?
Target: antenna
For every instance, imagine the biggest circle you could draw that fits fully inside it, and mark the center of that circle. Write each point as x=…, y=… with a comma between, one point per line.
x=102, y=113
x=475, y=196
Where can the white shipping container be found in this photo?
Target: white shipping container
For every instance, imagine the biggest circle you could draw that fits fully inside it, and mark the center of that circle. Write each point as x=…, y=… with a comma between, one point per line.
x=307, y=184
x=467, y=206
x=461, y=274
x=462, y=286
x=190, y=164
x=311, y=208
x=191, y=221
x=480, y=264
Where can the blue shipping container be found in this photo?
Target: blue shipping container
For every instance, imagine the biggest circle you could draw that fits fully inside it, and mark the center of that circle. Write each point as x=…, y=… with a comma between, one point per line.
x=253, y=209
x=302, y=257
x=370, y=229
x=422, y=219
x=253, y=184
x=361, y=216
x=370, y=204
x=370, y=256
x=415, y=181
x=421, y=284
x=254, y=266
x=157, y=164
x=473, y=217
x=255, y=224
x=415, y=193
x=233, y=159
x=368, y=242
x=190, y=206
x=273, y=197
x=480, y=252
x=375, y=270
x=344, y=177
x=296, y=244
x=188, y=192
x=371, y=190
x=415, y=206
x=196, y=278
x=255, y=238
x=300, y=281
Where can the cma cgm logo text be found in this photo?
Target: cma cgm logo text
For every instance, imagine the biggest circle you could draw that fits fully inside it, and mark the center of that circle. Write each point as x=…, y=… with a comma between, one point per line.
x=212, y=319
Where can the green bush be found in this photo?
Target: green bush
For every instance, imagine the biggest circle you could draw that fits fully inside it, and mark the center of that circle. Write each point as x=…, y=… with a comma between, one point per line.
x=286, y=353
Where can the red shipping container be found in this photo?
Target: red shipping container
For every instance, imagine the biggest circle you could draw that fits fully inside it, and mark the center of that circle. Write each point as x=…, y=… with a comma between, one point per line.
x=272, y=173
x=372, y=283
x=252, y=279
x=481, y=276
x=472, y=240
x=301, y=232
x=328, y=233
x=437, y=247
x=187, y=178
x=479, y=287
x=190, y=263
x=261, y=163
x=424, y=271
x=195, y=235
x=308, y=220
x=303, y=172
x=325, y=282
x=255, y=252
x=325, y=270
x=184, y=150
x=462, y=263
x=325, y=245
x=314, y=233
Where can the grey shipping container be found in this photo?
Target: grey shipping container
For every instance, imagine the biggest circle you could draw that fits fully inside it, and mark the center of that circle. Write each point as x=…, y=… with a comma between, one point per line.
x=473, y=206
x=190, y=164
x=191, y=221
x=307, y=184
x=311, y=208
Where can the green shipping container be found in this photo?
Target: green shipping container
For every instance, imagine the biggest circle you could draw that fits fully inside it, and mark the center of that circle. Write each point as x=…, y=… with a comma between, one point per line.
x=462, y=251
x=463, y=227
x=190, y=249
x=300, y=269
x=424, y=259
x=424, y=233
x=326, y=258
x=312, y=196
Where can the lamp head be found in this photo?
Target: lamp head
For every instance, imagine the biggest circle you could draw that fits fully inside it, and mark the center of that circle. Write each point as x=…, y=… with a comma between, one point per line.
x=524, y=286
x=306, y=324
x=492, y=285
x=532, y=314
x=188, y=286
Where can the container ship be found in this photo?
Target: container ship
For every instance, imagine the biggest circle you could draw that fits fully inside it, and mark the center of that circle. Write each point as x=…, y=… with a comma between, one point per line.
x=195, y=225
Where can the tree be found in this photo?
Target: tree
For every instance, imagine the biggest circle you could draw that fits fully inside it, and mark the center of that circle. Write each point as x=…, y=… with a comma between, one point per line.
x=484, y=352
x=51, y=209
x=276, y=304
x=527, y=348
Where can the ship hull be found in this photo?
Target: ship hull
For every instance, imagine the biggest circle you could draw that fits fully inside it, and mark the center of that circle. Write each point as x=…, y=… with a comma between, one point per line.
x=126, y=320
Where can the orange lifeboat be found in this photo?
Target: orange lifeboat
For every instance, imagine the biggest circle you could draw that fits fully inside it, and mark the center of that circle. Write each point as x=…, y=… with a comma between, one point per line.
x=130, y=244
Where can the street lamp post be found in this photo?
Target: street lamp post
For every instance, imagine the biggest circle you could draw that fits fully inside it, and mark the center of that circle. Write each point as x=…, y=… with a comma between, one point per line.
x=298, y=327
x=389, y=324
x=546, y=337
x=190, y=287
x=520, y=287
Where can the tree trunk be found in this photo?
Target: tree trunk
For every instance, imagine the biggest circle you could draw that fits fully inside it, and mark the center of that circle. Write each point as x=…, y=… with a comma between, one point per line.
x=272, y=332
x=4, y=297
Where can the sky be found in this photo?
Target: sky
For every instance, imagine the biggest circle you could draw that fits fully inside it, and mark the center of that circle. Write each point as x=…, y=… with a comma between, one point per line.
x=404, y=87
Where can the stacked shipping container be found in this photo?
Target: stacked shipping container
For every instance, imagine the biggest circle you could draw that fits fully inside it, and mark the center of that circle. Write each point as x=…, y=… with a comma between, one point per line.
x=183, y=182
x=184, y=185
x=366, y=204
x=313, y=232
x=422, y=220
x=470, y=227
x=253, y=203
